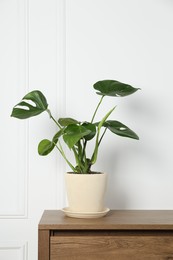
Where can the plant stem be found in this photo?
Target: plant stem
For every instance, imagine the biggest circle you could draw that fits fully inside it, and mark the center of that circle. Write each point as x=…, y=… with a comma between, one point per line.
x=79, y=150
x=84, y=158
x=102, y=136
x=94, y=156
x=97, y=109
x=49, y=112
x=78, y=162
x=60, y=149
x=56, y=122
x=84, y=148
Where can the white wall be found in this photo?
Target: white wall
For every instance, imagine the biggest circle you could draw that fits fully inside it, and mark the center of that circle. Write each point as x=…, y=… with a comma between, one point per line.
x=130, y=41
x=62, y=48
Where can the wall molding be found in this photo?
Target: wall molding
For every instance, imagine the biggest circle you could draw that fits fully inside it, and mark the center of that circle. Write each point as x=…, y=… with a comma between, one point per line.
x=14, y=247
x=61, y=92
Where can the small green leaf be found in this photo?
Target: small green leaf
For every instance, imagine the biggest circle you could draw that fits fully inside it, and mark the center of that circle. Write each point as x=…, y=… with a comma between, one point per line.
x=90, y=127
x=45, y=147
x=113, y=88
x=73, y=133
x=67, y=121
x=118, y=128
x=25, y=110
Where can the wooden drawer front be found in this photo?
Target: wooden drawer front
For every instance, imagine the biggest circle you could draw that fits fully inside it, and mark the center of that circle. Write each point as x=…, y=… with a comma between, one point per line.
x=119, y=247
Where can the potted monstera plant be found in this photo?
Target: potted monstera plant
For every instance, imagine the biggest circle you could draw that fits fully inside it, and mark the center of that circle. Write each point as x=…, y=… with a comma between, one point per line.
x=85, y=188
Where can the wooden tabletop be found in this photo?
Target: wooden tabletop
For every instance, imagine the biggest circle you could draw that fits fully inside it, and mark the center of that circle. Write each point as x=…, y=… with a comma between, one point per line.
x=114, y=220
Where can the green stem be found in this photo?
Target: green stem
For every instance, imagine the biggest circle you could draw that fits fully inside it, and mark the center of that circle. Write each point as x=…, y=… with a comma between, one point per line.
x=60, y=149
x=102, y=136
x=56, y=122
x=84, y=158
x=49, y=112
x=94, y=156
x=76, y=156
x=79, y=150
x=97, y=109
x=84, y=149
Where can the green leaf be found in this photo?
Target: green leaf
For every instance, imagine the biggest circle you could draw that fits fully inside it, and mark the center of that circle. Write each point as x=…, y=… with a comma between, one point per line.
x=45, y=147
x=90, y=127
x=57, y=135
x=25, y=110
x=104, y=119
x=118, y=128
x=67, y=121
x=113, y=88
x=73, y=133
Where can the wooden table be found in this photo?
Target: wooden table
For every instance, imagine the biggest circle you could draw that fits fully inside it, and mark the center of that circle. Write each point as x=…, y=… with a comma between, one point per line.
x=120, y=235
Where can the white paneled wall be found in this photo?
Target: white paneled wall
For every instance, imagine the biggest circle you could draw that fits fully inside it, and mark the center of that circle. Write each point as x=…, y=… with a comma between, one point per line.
x=13, y=250
x=13, y=66
x=62, y=47
x=130, y=41
x=31, y=54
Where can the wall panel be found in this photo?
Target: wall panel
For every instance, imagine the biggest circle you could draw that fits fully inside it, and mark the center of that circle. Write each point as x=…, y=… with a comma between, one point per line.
x=13, y=251
x=130, y=41
x=14, y=81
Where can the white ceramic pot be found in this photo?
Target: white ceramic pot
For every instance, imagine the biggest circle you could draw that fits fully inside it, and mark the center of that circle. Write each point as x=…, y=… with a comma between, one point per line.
x=86, y=192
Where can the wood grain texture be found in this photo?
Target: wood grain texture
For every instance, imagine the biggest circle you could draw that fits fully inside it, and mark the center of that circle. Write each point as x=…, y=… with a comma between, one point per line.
x=114, y=220
x=120, y=235
x=134, y=246
x=43, y=245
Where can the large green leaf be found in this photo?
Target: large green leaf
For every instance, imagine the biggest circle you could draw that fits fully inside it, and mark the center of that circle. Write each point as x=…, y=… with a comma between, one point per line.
x=90, y=127
x=118, y=128
x=67, y=121
x=73, y=133
x=25, y=110
x=113, y=88
x=45, y=147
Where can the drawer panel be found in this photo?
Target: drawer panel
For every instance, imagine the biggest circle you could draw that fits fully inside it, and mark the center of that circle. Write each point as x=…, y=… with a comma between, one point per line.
x=157, y=246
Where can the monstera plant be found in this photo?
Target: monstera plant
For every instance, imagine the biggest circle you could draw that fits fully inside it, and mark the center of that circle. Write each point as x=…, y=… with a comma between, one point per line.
x=75, y=133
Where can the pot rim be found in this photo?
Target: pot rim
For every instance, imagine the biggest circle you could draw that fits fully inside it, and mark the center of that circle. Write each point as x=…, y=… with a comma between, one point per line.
x=89, y=173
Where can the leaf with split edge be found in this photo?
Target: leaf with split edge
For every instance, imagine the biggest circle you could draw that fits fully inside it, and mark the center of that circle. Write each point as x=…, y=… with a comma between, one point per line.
x=114, y=88
x=38, y=98
x=23, y=113
x=45, y=147
x=67, y=121
x=90, y=127
x=73, y=133
x=120, y=129
x=24, y=110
